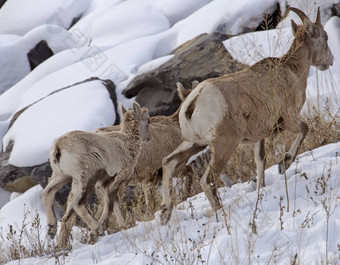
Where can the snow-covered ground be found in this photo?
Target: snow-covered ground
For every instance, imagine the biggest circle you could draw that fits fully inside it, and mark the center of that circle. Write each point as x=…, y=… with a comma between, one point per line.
x=119, y=39
x=310, y=229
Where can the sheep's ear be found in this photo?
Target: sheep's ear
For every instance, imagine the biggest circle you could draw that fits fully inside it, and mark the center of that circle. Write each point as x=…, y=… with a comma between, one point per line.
x=136, y=109
x=180, y=90
x=194, y=84
x=294, y=26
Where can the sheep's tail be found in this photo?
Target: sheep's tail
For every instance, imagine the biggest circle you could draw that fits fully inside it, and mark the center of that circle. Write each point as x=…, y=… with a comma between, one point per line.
x=56, y=154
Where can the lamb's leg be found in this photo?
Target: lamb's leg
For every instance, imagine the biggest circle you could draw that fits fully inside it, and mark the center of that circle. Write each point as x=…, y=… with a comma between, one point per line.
x=260, y=160
x=76, y=202
x=221, y=151
x=147, y=185
x=56, y=182
x=65, y=230
x=301, y=128
x=106, y=207
x=119, y=216
x=182, y=153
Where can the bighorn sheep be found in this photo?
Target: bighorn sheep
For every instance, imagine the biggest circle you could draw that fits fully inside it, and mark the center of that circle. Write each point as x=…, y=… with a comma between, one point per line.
x=165, y=137
x=247, y=106
x=89, y=159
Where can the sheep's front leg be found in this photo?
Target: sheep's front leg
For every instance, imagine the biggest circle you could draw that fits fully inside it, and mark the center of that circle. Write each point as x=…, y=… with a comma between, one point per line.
x=182, y=153
x=301, y=128
x=260, y=160
x=56, y=182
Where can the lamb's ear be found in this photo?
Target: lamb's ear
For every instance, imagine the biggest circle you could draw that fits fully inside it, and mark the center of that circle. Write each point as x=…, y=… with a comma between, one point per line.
x=136, y=109
x=121, y=109
x=180, y=90
x=194, y=84
x=294, y=26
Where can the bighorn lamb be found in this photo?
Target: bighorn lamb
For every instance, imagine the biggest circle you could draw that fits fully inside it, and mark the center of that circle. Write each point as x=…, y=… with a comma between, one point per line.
x=165, y=137
x=247, y=106
x=89, y=159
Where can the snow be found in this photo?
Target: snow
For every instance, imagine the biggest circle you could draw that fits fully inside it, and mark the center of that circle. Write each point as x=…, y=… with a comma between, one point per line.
x=177, y=10
x=29, y=11
x=193, y=235
x=10, y=99
x=127, y=21
x=13, y=56
x=70, y=109
x=224, y=17
x=151, y=65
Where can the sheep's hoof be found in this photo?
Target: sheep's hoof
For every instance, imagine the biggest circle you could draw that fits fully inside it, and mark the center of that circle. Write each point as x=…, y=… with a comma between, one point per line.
x=52, y=230
x=166, y=211
x=283, y=166
x=285, y=163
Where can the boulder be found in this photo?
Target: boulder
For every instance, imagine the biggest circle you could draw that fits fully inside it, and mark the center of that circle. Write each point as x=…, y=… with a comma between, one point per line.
x=198, y=59
x=14, y=179
x=336, y=9
x=2, y=2
x=39, y=53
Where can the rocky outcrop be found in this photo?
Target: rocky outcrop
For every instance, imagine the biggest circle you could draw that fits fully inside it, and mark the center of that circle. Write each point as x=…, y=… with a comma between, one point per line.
x=14, y=179
x=39, y=53
x=198, y=59
x=2, y=2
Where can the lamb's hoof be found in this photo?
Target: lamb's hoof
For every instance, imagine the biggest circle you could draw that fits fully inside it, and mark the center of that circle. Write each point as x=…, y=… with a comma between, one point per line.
x=62, y=242
x=166, y=211
x=93, y=238
x=52, y=230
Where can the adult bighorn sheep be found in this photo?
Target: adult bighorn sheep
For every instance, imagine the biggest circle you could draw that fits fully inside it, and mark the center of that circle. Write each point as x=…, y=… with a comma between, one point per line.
x=89, y=159
x=247, y=106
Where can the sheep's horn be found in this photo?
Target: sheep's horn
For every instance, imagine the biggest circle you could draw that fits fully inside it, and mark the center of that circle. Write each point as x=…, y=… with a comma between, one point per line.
x=318, y=18
x=302, y=15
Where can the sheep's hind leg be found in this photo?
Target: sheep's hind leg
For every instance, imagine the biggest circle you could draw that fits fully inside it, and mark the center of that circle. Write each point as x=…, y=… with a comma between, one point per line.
x=55, y=184
x=182, y=153
x=221, y=151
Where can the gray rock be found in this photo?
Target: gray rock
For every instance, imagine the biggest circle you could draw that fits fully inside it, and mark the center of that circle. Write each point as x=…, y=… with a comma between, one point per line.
x=198, y=59
x=39, y=53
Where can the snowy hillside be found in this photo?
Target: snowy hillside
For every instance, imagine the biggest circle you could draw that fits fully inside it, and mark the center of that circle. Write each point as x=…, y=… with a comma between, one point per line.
x=90, y=41
x=310, y=230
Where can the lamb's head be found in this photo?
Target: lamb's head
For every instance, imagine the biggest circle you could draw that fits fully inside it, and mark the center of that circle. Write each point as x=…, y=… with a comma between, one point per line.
x=182, y=92
x=142, y=115
x=314, y=36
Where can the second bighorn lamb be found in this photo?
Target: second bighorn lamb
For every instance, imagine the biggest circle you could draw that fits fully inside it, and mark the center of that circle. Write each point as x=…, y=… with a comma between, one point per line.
x=89, y=159
x=246, y=107
x=165, y=137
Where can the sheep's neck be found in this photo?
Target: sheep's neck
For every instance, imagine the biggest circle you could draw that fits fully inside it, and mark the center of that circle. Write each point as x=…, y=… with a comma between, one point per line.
x=298, y=58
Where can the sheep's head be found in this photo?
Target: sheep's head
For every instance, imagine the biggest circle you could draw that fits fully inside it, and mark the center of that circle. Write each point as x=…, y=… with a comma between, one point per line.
x=316, y=38
x=144, y=120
